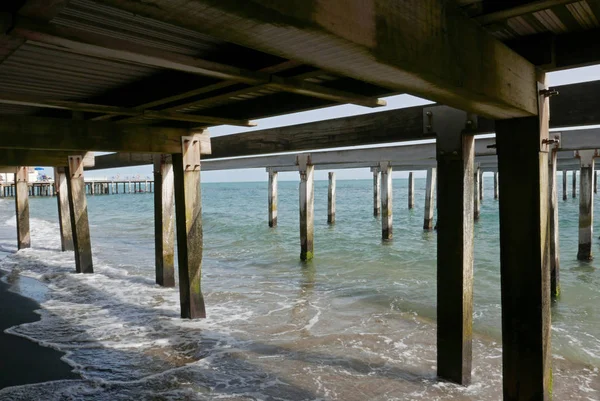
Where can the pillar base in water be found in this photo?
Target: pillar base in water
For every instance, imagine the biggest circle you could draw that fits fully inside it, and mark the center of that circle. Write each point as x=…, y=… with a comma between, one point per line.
x=585, y=252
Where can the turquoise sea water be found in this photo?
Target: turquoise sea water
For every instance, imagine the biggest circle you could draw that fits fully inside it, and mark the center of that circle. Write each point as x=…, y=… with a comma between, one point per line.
x=356, y=323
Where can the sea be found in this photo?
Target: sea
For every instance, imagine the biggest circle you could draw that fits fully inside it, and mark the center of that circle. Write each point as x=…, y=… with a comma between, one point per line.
x=356, y=323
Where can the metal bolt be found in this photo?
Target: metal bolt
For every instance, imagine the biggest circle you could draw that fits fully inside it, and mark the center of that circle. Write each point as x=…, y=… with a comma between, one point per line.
x=548, y=92
x=429, y=114
x=549, y=141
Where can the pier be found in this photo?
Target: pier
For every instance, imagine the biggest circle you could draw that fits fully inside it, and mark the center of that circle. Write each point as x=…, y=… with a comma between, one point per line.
x=148, y=80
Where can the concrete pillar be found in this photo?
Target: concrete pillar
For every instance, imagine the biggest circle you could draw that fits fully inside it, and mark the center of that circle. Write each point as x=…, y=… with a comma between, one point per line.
x=495, y=185
x=188, y=206
x=272, y=198
x=79, y=215
x=386, y=201
x=476, y=196
x=553, y=225
x=429, y=198
x=307, y=205
x=64, y=214
x=22, y=208
x=376, y=191
x=586, y=204
x=331, y=199
x=574, y=189
x=524, y=269
x=564, y=174
x=164, y=221
x=456, y=193
x=480, y=185
x=411, y=191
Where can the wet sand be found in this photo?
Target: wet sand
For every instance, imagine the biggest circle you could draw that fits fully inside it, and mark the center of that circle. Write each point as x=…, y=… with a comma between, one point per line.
x=23, y=361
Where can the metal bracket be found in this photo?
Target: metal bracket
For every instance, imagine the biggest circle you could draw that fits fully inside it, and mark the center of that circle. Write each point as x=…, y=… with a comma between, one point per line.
x=448, y=125
x=76, y=166
x=190, y=147
x=553, y=140
x=586, y=157
x=21, y=174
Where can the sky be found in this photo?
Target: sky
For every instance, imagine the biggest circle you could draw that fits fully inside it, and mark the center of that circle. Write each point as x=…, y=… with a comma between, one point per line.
x=584, y=74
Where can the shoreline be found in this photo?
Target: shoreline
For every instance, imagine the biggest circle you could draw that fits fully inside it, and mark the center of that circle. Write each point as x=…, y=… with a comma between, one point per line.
x=23, y=361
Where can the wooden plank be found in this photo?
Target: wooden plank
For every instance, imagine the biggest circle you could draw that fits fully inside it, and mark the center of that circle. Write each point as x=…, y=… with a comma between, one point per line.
x=586, y=205
x=307, y=207
x=445, y=46
x=64, y=213
x=111, y=47
x=525, y=274
x=188, y=206
x=80, y=226
x=430, y=198
x=455, y=194
x=22, y=208
x=331, y=199
x=164, y=221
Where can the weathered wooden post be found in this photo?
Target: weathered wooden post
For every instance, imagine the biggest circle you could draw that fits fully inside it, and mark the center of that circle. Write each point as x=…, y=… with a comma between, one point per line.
x=386, y=201
x=64, y=214
x=574, y=189
x=376, y=191
x=307, y=203
x=164, y=221
x=455, y=154
x=522, y=148
x=331, y=199
x=411, y=191
x=495, y=185
x=22, y=208
x=272, y=197
x=79, y=215
x=564, y=174
x=595, y=182
x=586, y=204
x=476, y=194
x=429, y=198
x=188, y=207
x=553, y=225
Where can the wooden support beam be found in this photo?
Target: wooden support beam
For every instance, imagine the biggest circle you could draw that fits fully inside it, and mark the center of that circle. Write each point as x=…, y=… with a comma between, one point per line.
x=481, y=186
x=188, y=204
x=27, y=157
x=430, y=198
x=553, y=236
x=586, y=205
x=512, y=12
x=368, y=51
x=564, y=177
x=97, y=45
x=164, y=220
x=22, y=208
x=6, y=98
x=376, y=191
x=411, y=191
x=386, y=201
x=307, y=204
x=331, y=199
x=272, y=198
x=455, y=194
x=495, y=185
x=595, y=181
x=524, y=254
x=80, y=226
x=476, y=196
x=574, y=184
x=64, y=212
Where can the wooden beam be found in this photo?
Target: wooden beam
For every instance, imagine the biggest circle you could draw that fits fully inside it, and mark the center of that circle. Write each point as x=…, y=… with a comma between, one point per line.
x=553, y=237
x=22, y=208
x=445, y=46
x=586, y=205
x=92, y=44
x=430, y=198
x=512, y=12
x=80, y=225
x=387, y=219
x=64, y=213
x=6, y=98
x=376, y=191
x=164, y=221
x=272, y=198
x=331, y=199
x=18, y=157
x=307, y=207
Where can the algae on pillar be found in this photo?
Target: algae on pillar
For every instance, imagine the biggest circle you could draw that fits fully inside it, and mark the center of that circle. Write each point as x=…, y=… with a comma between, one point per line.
x=386, y=201
x=553, y=225
x=272, y=197
x=164, y=220
x=411, y=191
x=188, y=210
x=586, y=204
x=64, y=213
x=22, y=208
x=79, y=215
x=307, y=205
x=429, y=198
x=524, y=269
x=376, y=191
x=331, y=199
